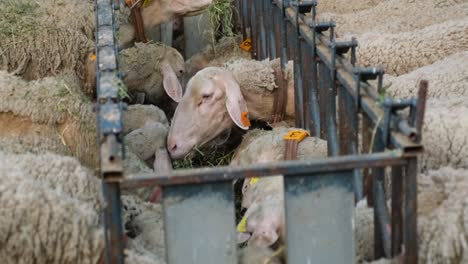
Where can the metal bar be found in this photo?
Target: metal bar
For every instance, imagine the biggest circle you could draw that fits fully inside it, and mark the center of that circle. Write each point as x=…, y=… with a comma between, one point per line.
x=421, y=108
x=367, y=178
x=383, y=217
x=226, y=173
x=410, y=227
x=202, y=212
x=109, y=113
x=325, y=237
x=352, y=138
x=379, y=179
x=284, y=36
x=278, y=32
x=245, y=25
x=112, y=223
x=397, y=205
x=323, y=78
x=253, y=29
x=263, y=38
x=306, y=72
x=345, y=77
x=298, y=85
x=343, y=124
x=272, y=36
x=333, y=144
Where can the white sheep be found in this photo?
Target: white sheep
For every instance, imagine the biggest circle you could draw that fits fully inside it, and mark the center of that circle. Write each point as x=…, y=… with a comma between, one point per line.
x=264, y=199
x=152, y=69
x=447, y=78
x=442, y=210
x=219, y=98
x=344, y=7
x=403, y=52
x=53, y=204
x=225, y=50
x=394, y=16
x=444, y=134
x=44, y=38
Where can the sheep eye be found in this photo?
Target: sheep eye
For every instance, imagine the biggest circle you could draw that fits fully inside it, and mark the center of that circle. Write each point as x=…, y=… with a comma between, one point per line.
x=207, y=96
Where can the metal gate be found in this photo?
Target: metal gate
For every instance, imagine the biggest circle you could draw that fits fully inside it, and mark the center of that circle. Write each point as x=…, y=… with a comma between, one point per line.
x=319, y=195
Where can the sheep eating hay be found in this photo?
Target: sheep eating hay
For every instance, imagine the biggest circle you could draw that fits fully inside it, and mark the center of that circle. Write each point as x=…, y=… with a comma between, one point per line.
x=43, y=38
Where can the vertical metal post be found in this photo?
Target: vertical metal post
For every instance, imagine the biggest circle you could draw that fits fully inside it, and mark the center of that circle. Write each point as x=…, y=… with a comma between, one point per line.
x=379, y=179
x=324, y=81
x=113, y=223
x=367, y=179
x=263, y=39
x=278, y=25
x=245, y=19
x=271, y=30
x=284, y=35
x=254, y=30
x=352, y=121
x=306, y=71
x=397, y=205
x=298, y=85
x=411, y=208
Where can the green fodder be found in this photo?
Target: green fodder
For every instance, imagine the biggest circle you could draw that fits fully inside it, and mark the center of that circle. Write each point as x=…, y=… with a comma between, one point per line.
x=212, y=156
x=221, y=19
x=40, y=38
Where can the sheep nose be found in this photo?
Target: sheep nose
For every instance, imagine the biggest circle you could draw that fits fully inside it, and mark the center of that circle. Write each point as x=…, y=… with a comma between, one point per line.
x=171, y=145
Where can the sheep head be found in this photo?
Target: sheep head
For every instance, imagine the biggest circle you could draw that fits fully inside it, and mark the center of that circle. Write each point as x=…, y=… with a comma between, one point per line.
x=211, y=104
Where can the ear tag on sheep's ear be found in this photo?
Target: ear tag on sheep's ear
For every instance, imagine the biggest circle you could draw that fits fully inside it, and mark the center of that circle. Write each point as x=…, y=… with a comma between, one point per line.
x=298, y=135
x=245, y=119
x=246, y=45
x=92, y=57
x=253, y=180
x=242, y=226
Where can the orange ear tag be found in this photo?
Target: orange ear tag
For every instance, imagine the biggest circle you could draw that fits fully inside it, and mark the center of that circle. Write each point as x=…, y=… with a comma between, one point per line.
x=246, y=45
x=245, y=119
x=93, y=57
x=298, y=135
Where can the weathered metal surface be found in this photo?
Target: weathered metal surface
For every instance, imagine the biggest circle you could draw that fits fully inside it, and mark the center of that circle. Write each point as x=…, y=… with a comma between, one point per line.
x=227, y=173
x=109, y=119
x=397, y=206
x=377, y=145
x=200, y=224
x=196, y=33
x=319, y=217
x=410, y=226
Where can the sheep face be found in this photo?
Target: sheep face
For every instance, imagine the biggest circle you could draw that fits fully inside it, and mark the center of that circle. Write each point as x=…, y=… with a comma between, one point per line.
x=211, y=104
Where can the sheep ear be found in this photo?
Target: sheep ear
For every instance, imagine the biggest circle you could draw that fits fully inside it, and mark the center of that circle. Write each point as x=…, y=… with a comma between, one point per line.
x=235, y=103
x=170, y=82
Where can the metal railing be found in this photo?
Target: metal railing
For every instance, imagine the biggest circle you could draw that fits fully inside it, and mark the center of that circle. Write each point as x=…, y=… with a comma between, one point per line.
x=320, y=194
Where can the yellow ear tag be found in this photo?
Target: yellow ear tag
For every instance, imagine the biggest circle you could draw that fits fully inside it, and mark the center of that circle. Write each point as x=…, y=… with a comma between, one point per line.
x=298, y=135
x=246, y=45
x=253, y=180
x=245, y=119
x=146, y=3
x=242, y=226
x=93, y=57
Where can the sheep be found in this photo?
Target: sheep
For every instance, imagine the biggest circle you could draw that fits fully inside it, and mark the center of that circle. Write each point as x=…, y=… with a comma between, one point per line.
x=52, y=108
x=447, y=77
x=444, y=134
x=53, y=204
x=264, y=199
x=43, y=38
x=152, y=69
x=343, y=6
x=396, y=16
x=53, y=114
x=225, y=50
x=217, y=98
x=401, y=53
x=442, y=206
x=156, y=13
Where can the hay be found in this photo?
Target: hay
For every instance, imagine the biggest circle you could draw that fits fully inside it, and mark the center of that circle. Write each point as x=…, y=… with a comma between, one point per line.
x=43, y=38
